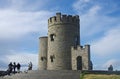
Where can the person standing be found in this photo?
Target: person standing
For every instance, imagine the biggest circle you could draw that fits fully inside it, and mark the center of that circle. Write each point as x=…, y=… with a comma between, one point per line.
x=18, y=68
x=30, y=66
x=14, y=67
x=10, y=67
x=110, y=68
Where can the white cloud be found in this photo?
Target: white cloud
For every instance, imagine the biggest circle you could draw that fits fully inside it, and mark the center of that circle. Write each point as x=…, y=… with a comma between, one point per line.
x=94, y=10
x=81, y=5
x=22, y=17
x=93, y=19
x=15, y=24
x=92, y=23
x=109, y=44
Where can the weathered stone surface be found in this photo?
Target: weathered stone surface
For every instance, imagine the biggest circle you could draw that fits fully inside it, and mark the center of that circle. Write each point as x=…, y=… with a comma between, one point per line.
x=83, y=52
x=47, y=74
x=42, y=61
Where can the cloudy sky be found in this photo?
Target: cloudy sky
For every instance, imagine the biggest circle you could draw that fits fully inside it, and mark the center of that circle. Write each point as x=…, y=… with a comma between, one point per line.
x=22, y=22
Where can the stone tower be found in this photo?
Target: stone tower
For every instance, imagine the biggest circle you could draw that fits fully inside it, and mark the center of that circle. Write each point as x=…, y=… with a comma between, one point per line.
x=43, y=43
x=63, y=32
x=61, y=49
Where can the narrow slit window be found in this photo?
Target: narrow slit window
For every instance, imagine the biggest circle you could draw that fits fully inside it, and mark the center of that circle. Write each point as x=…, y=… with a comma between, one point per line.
x=52, y=37
x=55, y=18
x=52, y=58
x=42, y=58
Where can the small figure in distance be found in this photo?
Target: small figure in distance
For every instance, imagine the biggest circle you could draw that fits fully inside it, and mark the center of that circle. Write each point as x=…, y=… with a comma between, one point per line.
x=14, y=67
x=110, y=68
x=10, y=67
x=30, y=66
x=18, y=67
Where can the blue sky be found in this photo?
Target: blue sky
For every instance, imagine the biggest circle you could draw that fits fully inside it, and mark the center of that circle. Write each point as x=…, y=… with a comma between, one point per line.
x=22, y=22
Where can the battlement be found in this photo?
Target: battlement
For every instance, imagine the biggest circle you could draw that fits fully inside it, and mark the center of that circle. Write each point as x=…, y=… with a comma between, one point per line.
x=80, y=47
x=63, y=19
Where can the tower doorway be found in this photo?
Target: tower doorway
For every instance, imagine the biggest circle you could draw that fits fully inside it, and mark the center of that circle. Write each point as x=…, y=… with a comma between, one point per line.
x=79, y=63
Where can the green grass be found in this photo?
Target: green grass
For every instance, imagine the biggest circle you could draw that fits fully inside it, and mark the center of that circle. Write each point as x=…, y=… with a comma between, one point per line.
x=100, y=76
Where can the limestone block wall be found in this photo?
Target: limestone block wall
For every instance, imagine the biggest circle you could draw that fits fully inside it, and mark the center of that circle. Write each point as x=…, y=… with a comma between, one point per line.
x=63, y=32
x=84, y=52
x=43, y=47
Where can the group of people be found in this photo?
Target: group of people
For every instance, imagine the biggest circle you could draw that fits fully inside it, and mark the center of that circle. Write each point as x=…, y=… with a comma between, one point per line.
x=12, y=67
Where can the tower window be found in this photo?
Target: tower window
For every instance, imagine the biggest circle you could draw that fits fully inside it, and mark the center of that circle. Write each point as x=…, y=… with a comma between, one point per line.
x=55, y=18
x=52, y=58
x=42, y=58
x=52, y=37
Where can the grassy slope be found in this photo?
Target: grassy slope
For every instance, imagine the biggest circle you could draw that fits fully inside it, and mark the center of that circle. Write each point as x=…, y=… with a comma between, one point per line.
x=99, y=76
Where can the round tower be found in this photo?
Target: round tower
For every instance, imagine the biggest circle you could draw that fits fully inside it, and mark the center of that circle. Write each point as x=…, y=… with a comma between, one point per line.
x=63, y=32
x=43, y=44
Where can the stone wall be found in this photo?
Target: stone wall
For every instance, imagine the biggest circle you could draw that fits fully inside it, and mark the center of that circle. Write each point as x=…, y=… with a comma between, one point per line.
x=84, y=53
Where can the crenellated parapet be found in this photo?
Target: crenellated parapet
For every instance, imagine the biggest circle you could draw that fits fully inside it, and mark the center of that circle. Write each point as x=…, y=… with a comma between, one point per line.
x=86, y=47
x=58, y=19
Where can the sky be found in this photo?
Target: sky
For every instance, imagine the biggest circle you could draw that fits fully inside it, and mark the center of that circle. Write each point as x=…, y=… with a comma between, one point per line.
x=22, y=22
